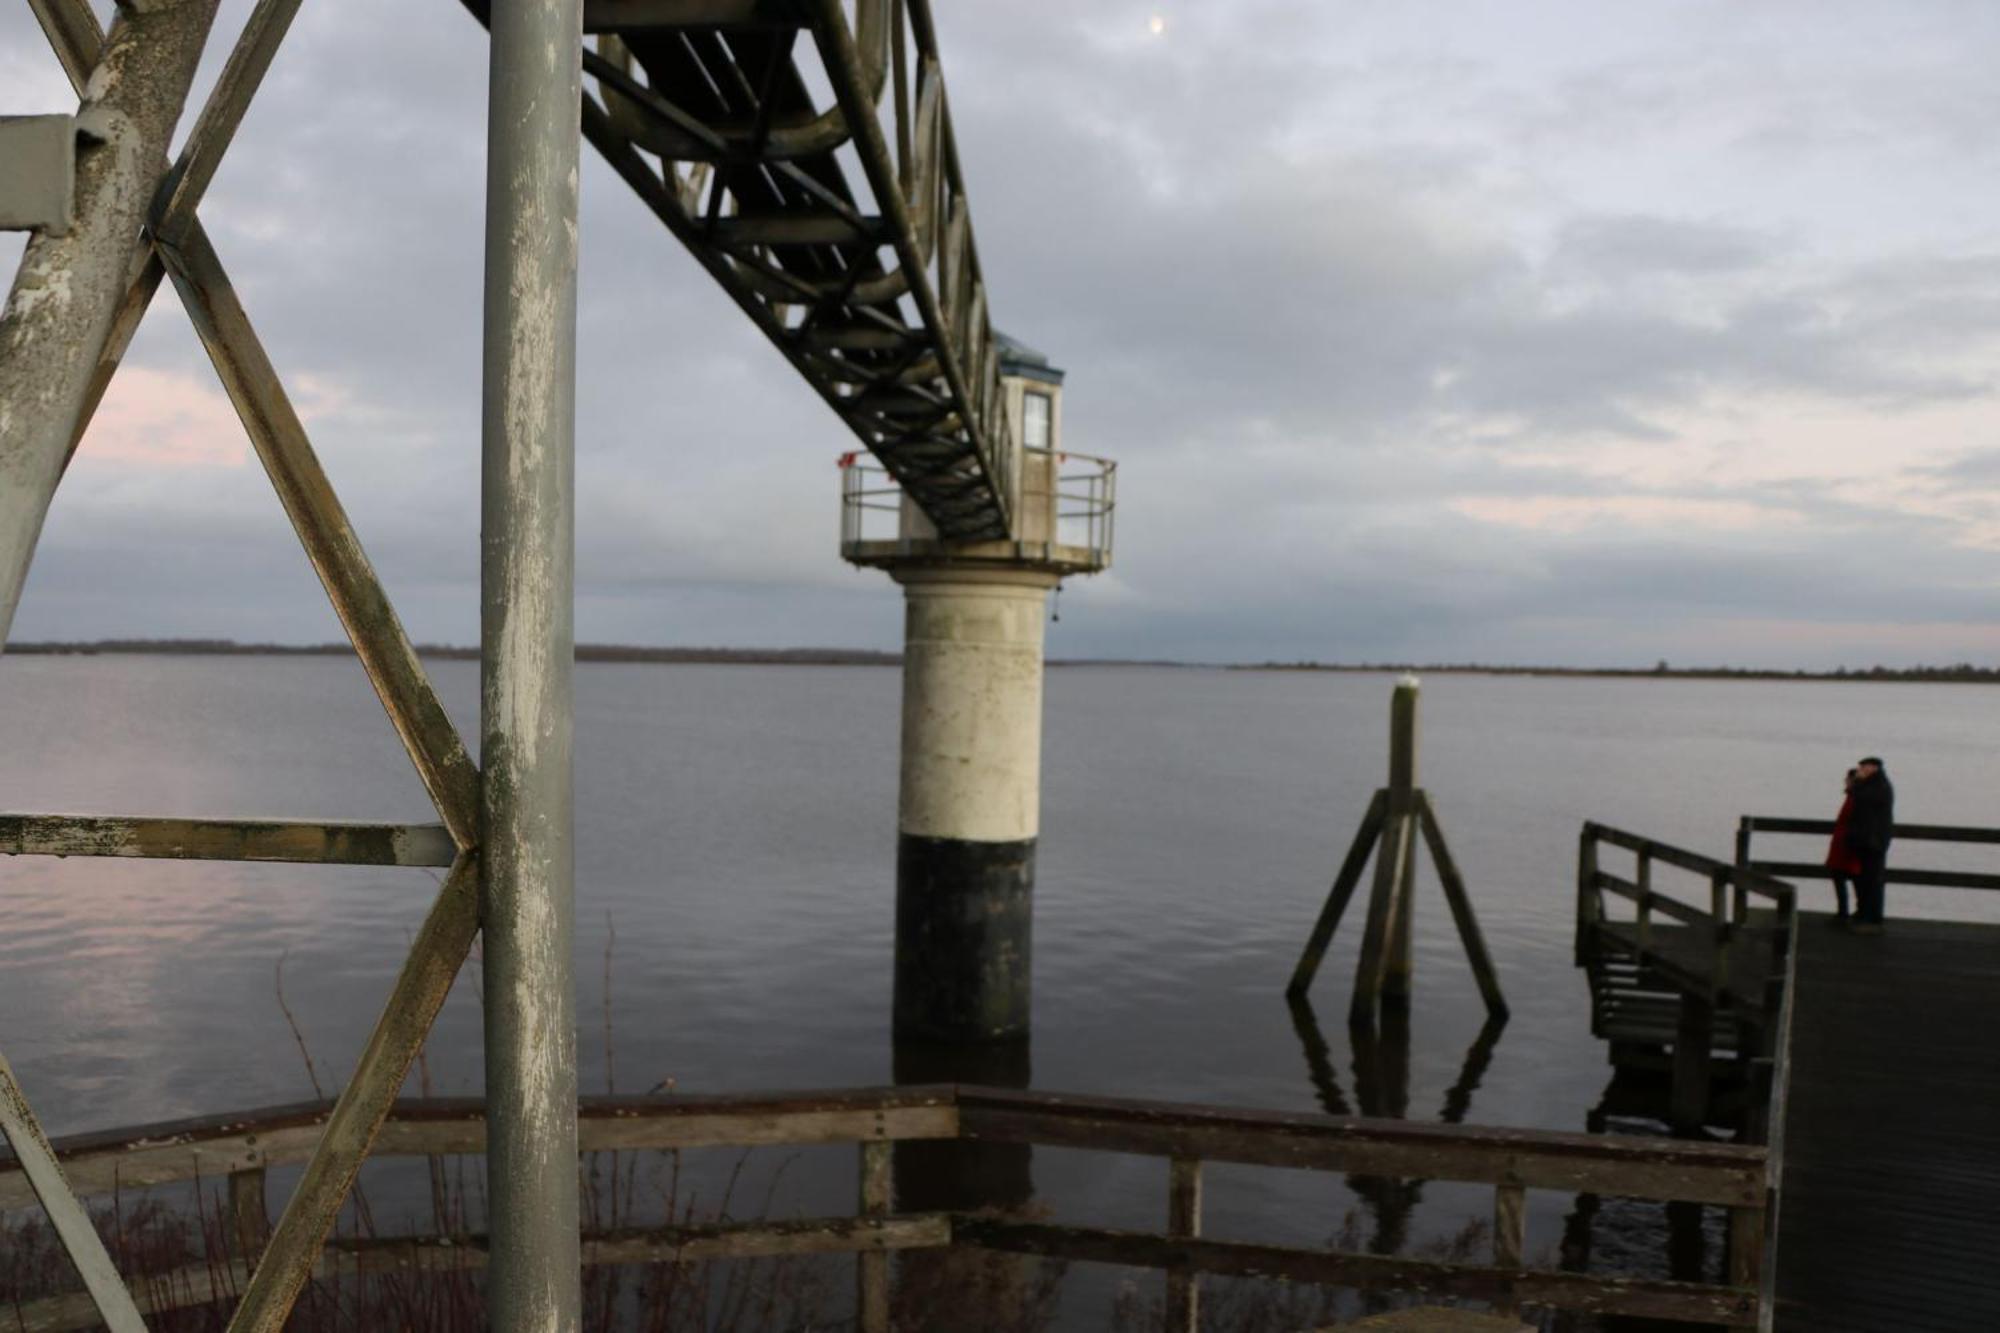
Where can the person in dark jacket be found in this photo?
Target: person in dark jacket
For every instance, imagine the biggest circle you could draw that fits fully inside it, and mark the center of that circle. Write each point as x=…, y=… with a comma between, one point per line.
x=1840, y=858
x=1871, y=823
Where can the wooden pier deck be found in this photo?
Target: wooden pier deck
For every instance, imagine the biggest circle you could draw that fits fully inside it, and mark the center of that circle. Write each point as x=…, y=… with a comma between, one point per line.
x=1889, y=1199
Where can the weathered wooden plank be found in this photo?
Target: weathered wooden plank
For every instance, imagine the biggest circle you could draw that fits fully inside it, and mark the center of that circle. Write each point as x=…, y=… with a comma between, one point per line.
x=1510, y=1226
x=354, y=1257
x=1746, y=1246
x=1756, y=881
x=872, y=1267
x=332, y=842
x=840, y=1235
x=1183, y=1223
x=249, y=1219
x=1692, y=1049
x=1339, y=895
x=1628, y=1167
x=214, y=1146
x=1904, y=832
x=1510, y=1236
x=1891, y=1144
x=1654, y=900
x=1936, y=879
x=1638, y=1297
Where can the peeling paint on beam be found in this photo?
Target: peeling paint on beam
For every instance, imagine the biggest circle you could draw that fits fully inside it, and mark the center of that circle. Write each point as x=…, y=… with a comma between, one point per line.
x=107, y=1296
x=527, y=647
x=328, y=843
x=69, y=289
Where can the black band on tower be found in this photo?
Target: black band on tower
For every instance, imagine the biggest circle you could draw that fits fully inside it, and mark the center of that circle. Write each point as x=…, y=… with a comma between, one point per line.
x=964, y=932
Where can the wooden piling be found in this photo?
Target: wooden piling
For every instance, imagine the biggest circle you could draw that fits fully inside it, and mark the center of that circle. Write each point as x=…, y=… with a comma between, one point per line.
x=1692, y=1049
x=1183, y=1223
x=1396, y=815
x=1340, y=894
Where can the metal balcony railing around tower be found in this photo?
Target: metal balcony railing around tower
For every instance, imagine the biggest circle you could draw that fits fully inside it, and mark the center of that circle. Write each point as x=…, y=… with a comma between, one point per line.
x=1064, y=519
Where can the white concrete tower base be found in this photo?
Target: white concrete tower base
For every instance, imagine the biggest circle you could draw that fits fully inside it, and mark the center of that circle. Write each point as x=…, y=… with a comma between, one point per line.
x=971, y=799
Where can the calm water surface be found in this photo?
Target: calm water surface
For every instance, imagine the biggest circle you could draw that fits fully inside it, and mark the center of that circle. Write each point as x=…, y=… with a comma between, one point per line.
x=736, y=848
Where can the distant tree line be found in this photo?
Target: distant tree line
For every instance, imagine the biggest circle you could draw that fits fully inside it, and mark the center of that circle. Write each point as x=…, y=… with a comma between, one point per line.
x=616, y=652
x=1961, y=672
x=585, y=652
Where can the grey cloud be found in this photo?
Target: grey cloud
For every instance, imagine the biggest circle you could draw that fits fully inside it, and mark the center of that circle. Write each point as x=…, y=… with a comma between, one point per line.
x=1291, y=279
x=1628, y=246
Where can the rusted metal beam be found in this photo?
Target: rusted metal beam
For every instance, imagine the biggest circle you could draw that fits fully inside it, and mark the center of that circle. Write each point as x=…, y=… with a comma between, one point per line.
x=324, y=842
x=69, y=289
x=37, y=1162
x=75, y=34
x=527, y=650
x=435, y=957
x=78, y=39
x=180, y=193
x=330, y=541
x=275, y=430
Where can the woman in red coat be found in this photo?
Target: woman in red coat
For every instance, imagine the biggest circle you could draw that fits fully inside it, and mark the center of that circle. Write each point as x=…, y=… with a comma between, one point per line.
x=1840, y=858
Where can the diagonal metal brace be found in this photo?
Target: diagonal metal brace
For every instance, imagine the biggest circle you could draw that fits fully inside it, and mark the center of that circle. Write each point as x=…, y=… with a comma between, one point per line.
x=72, y=1223
x=434, y=745
x=435, y=958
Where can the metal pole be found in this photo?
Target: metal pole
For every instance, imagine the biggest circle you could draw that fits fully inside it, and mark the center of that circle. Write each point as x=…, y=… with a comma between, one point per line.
x=527, y=552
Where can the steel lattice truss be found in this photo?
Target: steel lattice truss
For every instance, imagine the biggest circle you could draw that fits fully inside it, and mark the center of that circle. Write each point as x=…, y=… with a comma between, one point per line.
x=841, y=230
x=856, y=260
x=55, y=360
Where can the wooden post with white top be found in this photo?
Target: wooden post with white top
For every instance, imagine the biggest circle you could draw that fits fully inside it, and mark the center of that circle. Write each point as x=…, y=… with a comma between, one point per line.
x=1395, y=818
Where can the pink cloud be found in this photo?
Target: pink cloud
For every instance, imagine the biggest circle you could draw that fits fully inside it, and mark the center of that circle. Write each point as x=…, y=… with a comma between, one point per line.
x=158, y=418
x=1571, y=513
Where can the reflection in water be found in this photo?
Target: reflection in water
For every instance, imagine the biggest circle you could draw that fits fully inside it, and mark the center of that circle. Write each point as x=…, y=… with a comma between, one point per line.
x=1381, y=1062
x=1630, y=1236
x=961, y=1175
x=964, y=1291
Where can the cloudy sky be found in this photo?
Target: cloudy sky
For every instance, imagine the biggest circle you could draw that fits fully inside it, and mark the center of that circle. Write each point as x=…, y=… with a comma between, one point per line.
x=1535, y=332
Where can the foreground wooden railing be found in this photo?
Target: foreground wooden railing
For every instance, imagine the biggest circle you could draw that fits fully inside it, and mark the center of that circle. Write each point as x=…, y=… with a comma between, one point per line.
x=240, y=1148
